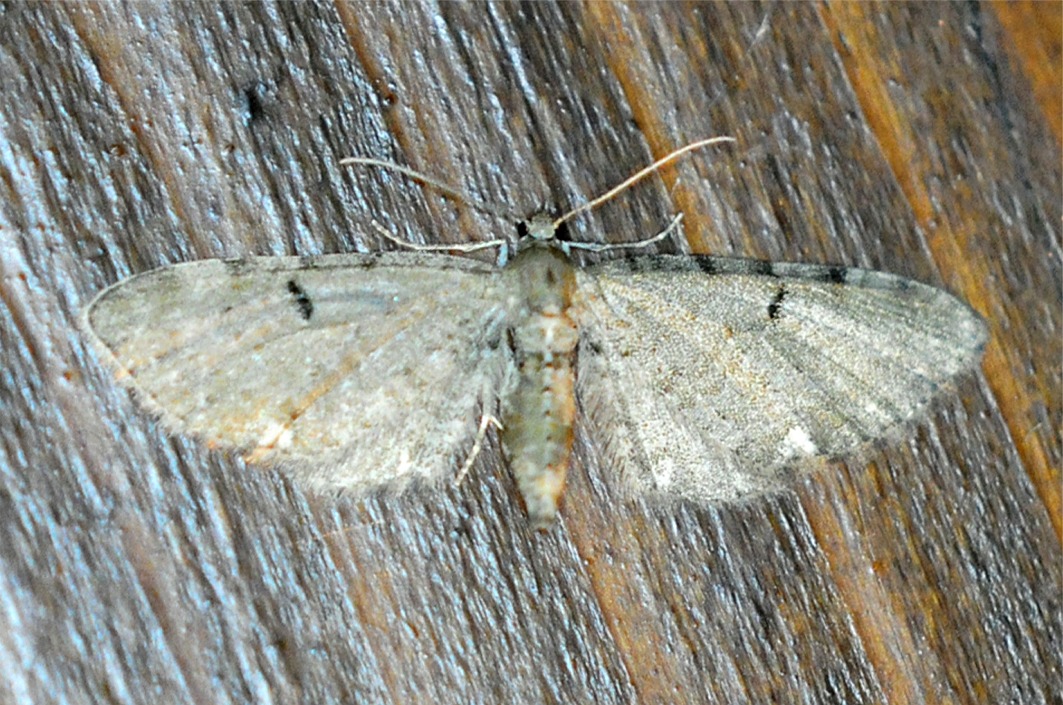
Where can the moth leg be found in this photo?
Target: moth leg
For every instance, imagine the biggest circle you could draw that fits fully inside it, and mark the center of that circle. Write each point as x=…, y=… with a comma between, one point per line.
x=477, y=445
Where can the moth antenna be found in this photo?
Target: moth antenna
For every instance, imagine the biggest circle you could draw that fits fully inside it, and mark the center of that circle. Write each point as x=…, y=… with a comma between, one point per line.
x=639, y=175
x=443, y=188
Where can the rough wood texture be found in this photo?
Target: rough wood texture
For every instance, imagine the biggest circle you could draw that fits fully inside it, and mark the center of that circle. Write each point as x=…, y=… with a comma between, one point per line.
x=918, y=139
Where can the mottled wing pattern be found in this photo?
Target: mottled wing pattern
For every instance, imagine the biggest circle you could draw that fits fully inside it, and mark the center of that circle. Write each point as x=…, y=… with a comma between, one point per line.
x=709, y=377
x=350, y=370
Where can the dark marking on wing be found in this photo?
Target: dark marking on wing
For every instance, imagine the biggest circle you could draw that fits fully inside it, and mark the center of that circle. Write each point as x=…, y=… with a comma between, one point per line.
x=766, y=269
x=707, y=265
x=776, y=303
x=302, y=300
x=836, y=275
x=828, y=274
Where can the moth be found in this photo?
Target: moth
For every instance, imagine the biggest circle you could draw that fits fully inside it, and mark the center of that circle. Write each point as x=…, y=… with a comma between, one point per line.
x=706, y=378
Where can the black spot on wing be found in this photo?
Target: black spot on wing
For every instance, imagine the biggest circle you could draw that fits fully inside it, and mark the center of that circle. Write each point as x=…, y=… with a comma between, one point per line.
x=824, y=273
x=706, y=265
x=766, y=269
x=836, y=275
x=775, y=306
x=302, y=300
x=635, y=263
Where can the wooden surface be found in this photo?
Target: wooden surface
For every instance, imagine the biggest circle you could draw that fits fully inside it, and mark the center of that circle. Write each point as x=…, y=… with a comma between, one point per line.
x=919, y=139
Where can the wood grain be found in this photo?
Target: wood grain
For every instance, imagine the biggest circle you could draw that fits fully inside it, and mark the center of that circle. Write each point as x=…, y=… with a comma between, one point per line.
x=919, y=139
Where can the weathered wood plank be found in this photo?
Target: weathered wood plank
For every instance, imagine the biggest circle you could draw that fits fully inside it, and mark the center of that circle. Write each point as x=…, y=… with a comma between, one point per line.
x=919, y=139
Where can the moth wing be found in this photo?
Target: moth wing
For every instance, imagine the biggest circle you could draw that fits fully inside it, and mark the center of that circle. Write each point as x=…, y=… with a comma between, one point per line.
x=347, y=370
x=710, y=377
